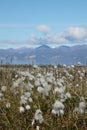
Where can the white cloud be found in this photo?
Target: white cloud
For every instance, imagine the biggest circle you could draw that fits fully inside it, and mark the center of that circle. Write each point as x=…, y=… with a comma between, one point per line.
x=75, y=34
x=43, y=28
x=32, y=38
x=72, y=35
x=55, y=38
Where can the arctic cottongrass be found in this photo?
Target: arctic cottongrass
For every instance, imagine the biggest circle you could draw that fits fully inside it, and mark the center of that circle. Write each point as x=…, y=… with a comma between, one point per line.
x=37, y=127
x=40, y=89
x=82, y=106
x=8, y=105
x=27, y=107
x=67, y=95
x=35, y=66
x=21, y=109
x=59, y=90
x=30, y=99
x=58, y=108
x=44, y=87
x=3, y=88
x=38, y=116
x=27, y=94
x=23, y=100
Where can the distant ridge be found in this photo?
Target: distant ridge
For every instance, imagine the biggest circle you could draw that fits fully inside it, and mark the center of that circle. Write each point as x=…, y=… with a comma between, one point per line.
x=43, y=47
x=45, y=55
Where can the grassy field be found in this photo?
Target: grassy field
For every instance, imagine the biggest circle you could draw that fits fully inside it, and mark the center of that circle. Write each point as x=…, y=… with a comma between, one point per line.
x=43, y=97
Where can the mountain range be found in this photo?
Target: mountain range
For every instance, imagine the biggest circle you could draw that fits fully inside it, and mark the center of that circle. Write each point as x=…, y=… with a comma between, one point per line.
x=44, y=55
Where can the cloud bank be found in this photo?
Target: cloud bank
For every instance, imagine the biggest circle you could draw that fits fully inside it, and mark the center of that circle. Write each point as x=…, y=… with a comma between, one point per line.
x=71, y=35
x=75, y=34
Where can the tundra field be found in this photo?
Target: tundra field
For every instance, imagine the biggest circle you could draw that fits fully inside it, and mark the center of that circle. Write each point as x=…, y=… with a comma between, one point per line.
x=43, y=97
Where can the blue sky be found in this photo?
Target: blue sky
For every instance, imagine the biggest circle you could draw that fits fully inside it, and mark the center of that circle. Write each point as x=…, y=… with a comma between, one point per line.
x=29, y=23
